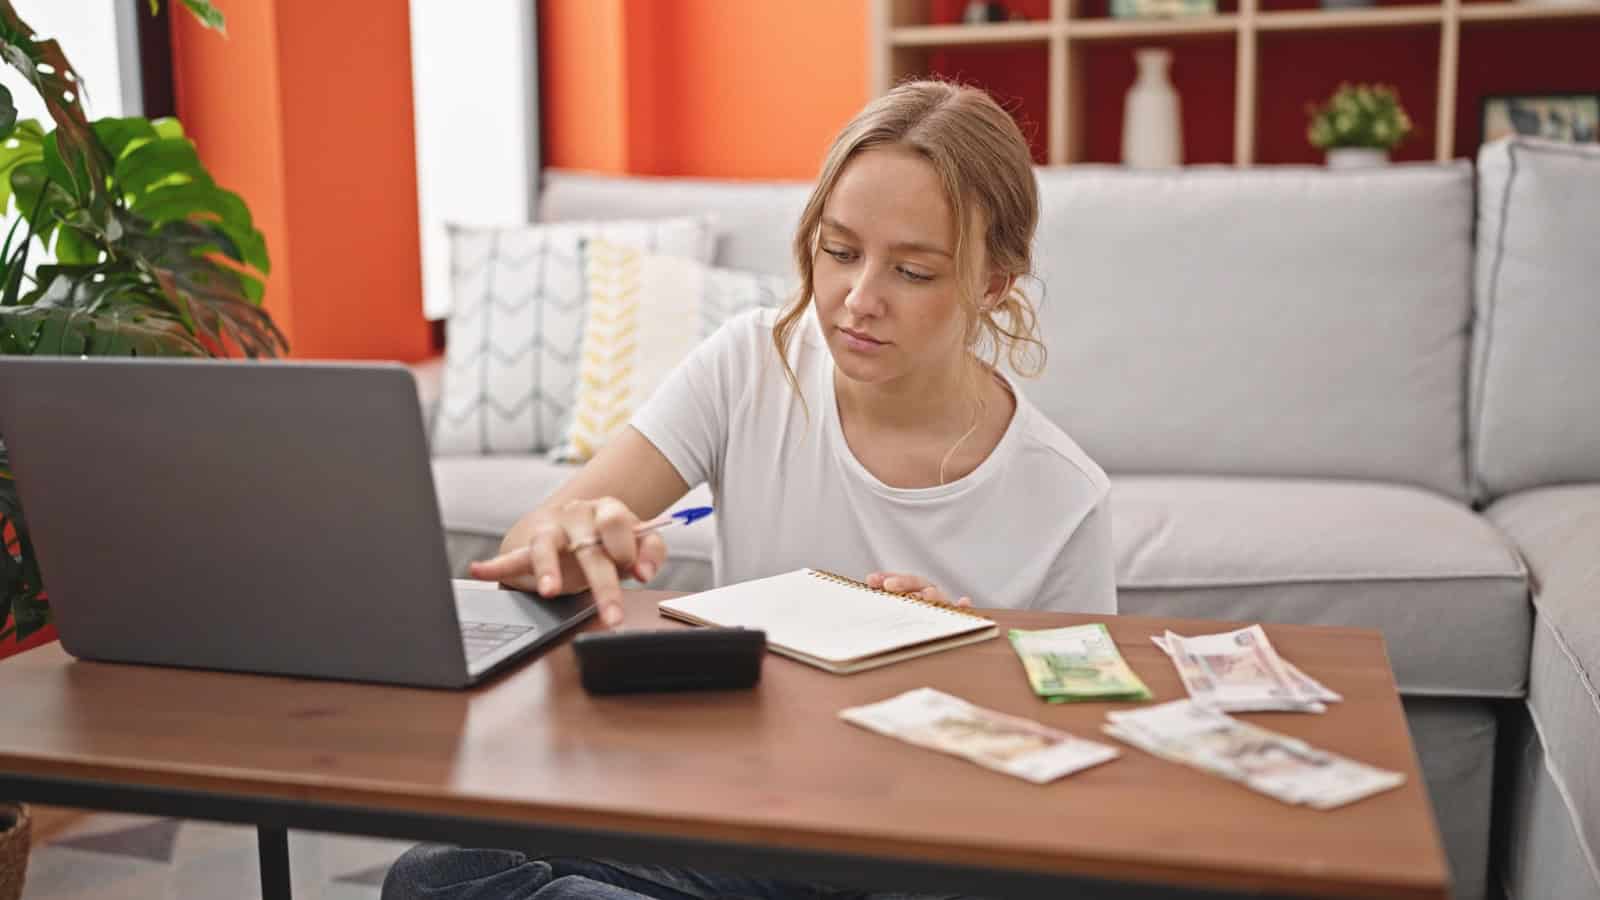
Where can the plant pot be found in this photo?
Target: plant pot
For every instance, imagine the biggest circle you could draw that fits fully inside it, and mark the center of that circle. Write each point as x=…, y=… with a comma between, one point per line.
x=1357, y=157
x=15, y=826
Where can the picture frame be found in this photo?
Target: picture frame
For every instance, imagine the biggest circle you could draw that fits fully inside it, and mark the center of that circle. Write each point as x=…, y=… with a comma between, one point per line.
x=1562, y=116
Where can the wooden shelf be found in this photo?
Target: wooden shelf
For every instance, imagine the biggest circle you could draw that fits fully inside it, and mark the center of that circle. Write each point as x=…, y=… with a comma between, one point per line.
x=896, y=44
x=1121, y=29
x=1339, y=19
x=1525, y=12
x=973, y=35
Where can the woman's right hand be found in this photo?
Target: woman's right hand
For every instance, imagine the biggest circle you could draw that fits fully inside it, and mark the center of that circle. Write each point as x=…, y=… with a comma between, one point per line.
x=581, y=543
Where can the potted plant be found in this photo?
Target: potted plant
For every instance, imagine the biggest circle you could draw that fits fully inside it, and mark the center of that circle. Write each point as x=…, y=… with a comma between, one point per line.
x=14, y=835
x=151, y=258
x=1359, y=125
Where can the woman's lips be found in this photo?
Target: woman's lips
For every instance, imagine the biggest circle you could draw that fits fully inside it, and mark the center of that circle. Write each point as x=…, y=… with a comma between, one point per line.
x=859, y=341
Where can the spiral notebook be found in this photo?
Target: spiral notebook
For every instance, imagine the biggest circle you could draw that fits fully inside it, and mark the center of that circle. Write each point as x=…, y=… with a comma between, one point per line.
x=833, y=622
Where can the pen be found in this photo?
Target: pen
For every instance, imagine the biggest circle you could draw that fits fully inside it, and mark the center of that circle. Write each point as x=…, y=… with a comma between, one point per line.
x=680, y=517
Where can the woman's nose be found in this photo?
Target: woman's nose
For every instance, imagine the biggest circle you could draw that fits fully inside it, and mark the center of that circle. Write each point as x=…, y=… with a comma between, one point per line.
x=863, y=299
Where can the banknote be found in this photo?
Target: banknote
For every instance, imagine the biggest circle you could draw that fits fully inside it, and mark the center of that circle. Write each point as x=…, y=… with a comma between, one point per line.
x=1282, y=767
x=1305, y=684
x=1077, y=663
x=938, y=721
x=1237, y=671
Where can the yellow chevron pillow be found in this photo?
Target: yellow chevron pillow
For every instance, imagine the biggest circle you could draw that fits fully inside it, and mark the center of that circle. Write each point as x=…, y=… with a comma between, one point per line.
x=646, y=312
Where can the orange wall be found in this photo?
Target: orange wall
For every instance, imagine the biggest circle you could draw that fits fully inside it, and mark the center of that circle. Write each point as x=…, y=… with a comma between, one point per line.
x=699, y=87
x=582, y=73
x=305, y=110
x=228, y=102
x=350, y=165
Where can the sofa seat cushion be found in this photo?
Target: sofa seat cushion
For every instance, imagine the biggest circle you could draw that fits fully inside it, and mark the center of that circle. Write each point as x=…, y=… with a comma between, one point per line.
x=481, y=497
x=1557, y=530
x=1444, y=587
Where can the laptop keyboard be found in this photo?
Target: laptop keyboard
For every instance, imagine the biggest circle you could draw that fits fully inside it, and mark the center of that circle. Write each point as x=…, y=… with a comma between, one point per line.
x=483, y=638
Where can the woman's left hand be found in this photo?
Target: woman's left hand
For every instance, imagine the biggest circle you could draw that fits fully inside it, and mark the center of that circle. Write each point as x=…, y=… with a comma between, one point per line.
x=901, y=583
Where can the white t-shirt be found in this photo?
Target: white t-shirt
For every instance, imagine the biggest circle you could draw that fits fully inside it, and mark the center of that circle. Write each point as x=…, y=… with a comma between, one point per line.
x=1029, y=528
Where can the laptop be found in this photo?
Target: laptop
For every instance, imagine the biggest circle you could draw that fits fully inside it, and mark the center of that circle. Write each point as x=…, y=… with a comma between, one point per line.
x=273, y=517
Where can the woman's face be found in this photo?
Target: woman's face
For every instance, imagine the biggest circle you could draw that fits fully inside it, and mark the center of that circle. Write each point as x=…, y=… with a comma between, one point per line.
x=885, y=271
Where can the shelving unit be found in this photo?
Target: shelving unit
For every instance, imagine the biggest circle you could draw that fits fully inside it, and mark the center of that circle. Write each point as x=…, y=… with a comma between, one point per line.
x=903, y=37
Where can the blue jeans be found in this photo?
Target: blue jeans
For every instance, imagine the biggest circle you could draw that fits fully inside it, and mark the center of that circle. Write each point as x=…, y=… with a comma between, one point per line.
x=438, y=872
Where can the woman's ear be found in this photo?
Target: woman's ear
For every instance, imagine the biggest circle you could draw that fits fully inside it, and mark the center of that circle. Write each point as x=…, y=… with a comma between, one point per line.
x=996, y=290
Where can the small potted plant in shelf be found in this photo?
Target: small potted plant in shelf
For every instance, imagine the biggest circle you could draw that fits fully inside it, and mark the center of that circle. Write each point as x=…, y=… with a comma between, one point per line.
x=1359, y=125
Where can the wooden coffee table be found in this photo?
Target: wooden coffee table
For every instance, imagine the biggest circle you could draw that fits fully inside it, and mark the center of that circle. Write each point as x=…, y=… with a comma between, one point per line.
x=766, y=781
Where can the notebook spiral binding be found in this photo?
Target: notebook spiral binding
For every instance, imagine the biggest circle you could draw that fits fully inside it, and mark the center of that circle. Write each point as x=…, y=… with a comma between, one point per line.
x=909, y=598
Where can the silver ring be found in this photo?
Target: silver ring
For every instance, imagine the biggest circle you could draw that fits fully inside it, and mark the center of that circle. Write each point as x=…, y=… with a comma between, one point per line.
x=584, y=545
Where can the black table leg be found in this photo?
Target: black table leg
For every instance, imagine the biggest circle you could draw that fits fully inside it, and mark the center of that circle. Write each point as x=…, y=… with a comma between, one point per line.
x=274, y=846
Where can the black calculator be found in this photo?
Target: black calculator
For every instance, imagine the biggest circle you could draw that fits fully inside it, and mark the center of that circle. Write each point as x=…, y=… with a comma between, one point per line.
x=677, y=659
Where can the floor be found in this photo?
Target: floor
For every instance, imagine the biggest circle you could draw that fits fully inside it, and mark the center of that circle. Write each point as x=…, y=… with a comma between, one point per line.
x=101, y=856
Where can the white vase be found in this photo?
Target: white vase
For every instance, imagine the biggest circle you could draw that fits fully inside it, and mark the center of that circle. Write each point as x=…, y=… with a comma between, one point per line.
x=1356, y=157
x=1152, y=132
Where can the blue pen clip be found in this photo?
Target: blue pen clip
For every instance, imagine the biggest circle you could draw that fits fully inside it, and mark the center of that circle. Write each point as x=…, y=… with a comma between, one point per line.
x=692, y=514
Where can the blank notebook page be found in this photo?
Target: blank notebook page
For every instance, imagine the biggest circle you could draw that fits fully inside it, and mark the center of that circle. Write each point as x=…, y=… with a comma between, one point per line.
x=826, y=616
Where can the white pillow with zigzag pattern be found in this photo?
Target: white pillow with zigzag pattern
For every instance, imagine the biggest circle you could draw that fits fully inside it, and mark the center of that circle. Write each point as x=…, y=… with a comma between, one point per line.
x=646, y=312
x=517, y=314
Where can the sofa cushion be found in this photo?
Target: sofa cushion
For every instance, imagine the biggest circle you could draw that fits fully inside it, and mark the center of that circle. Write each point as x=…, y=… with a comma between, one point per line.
x=516, y=320
x=1558, y=532
x=1536, y=366
x=647, y=311
x=755, y=219
x=1442, y=585
x=1262, y=322
x=481, y=497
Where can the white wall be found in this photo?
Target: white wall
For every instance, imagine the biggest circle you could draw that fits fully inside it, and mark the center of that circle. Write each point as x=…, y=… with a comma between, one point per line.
x=87, y=31
x=474, y=78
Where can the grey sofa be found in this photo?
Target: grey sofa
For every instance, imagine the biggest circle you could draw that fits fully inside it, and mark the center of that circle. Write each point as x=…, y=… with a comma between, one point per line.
x=1363, y=398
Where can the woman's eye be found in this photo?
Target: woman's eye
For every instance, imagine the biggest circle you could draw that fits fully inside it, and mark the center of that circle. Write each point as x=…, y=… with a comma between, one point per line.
x=915, y=276
x=840, y=255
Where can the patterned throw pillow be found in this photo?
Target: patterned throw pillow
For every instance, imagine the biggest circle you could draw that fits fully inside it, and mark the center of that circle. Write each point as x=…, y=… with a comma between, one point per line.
x=646, y=312
x=516, y=321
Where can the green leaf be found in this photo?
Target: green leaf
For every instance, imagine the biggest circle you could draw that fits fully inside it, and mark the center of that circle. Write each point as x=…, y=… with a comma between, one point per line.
x=73, y=247
x=157, y=162
x=44, y=202
x=11, y=587
x=29, y=611
x=222, y=208
x=121, y=136
x=24, y=144
x=10, y=504
x=213, y=299
x=124, y=329
x=15, y=264
x=56, y=169
x=167, y=127
x=254, y=288
x=8, y=112
x=208, y=15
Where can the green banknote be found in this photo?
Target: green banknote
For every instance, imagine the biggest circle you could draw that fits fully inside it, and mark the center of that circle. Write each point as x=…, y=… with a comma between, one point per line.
x=1066, y=665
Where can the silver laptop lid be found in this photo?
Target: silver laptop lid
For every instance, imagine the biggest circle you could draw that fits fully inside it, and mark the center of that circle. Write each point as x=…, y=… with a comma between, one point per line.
x=257, y=516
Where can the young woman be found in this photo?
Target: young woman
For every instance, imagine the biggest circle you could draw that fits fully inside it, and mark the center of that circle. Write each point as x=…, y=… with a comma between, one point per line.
x=866, y=429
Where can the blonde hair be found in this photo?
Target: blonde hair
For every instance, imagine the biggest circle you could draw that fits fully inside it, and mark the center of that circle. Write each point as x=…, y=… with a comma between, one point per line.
x=983, y=162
